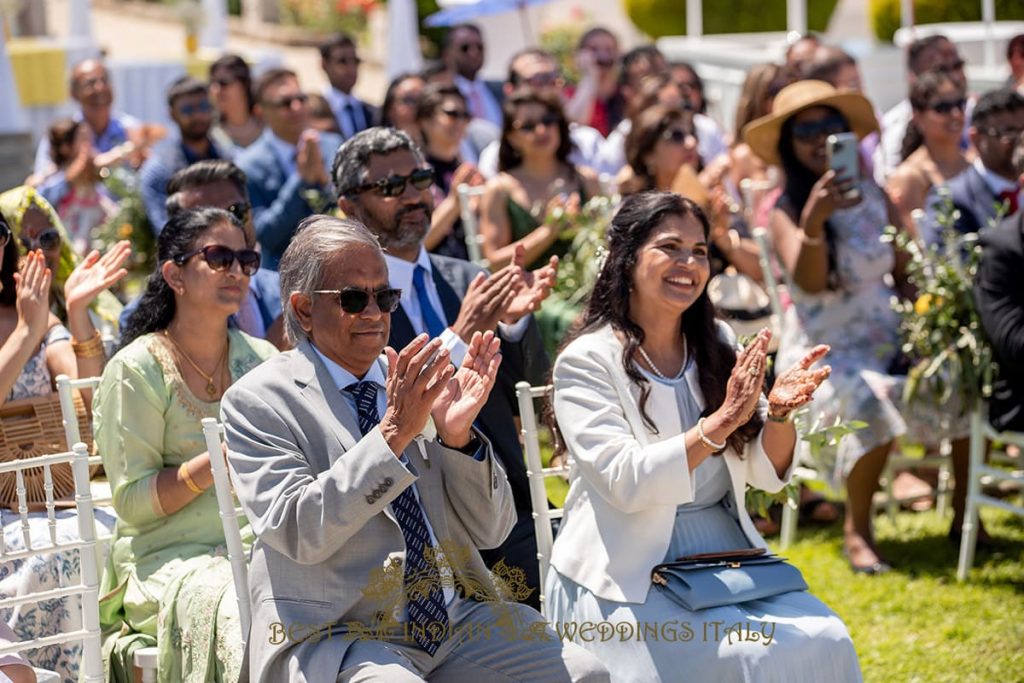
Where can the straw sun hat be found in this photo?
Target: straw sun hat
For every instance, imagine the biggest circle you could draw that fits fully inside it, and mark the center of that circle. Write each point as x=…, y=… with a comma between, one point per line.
x=763, y=134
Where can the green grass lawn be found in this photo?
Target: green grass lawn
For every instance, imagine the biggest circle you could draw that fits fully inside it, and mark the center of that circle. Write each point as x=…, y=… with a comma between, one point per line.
x=916, y=623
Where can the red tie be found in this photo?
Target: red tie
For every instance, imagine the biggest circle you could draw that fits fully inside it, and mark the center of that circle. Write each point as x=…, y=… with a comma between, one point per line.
x=1011, y=200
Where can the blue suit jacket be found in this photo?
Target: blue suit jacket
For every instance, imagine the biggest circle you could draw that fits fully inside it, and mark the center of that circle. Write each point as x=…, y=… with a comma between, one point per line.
x=166, y=159
x=971, y=197
x=278, y=198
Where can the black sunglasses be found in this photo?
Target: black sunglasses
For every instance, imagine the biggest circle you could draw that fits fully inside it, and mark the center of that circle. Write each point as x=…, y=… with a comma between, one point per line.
x=466, y=47
x=1002, y=134
x=347, y=61
x=286, y=101
x=47, y=241
x=457, y=114
x=221, y=258
x=224, y=81
x=809, y=131
x=5, y=233
x=948, y=106
x=542, y=79
x=951, y=67
x=548, y=120
x=394, y=186
x=356, y=300
x=676, y=136
x=240, y=210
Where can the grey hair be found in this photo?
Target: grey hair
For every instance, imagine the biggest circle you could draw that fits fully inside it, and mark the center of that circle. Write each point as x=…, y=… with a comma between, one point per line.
x=352, y=158
x=302, y=265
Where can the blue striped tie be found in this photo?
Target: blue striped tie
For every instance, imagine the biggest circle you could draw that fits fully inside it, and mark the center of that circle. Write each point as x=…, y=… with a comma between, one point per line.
x=425, y=599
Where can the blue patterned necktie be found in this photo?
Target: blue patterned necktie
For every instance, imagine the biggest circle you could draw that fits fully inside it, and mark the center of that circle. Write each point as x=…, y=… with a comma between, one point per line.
x=435, y=326
x=425, y=599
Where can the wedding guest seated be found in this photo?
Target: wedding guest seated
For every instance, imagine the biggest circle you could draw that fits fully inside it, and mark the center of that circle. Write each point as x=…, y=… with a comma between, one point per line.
x=401, y=102
x=87, y=309
x=13, y=668
x=321, y=117
x=667, y=425
x=90, y=88
x=827, y=230
x=931, y=149
x=710, y=138
x=999, y=293
x=221, y=184
x=452, y=299
x=167, y=579
x=288, y=167
x=443, y=117
x=535, y=177
x=231, y=92
x=660, y=142
x=990, y=188
x=189, y=102
x=597, y=100
x=350, y=514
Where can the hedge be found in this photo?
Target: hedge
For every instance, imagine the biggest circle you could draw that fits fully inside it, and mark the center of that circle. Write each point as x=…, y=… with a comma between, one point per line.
x=659, y=18
x=885, y=14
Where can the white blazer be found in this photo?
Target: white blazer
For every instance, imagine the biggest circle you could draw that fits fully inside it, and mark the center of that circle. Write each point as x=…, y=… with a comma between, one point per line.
x=627, y=480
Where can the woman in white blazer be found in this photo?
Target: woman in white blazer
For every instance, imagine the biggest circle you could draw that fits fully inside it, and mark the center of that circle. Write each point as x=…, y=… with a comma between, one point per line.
x=667, y=426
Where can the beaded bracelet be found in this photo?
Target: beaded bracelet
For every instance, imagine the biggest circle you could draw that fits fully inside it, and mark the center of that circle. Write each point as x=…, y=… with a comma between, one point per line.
x=783, y=419
x=186, y=476
x=712, y=446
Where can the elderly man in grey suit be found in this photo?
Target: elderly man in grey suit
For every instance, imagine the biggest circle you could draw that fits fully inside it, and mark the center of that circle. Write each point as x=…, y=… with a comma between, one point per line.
x=370, y=492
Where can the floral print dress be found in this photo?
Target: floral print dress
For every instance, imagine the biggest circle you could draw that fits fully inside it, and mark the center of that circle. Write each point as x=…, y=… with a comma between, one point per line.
x=857, y=320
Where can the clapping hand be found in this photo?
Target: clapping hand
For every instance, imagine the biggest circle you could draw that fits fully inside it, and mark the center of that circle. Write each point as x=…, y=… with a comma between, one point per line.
x=416, y=377
x=796, y=386
x=465, y=394
x=746, y=382
x=308, y=160
x=95, y=274
x=486, y=301
x=33, y=296
x=534, y=287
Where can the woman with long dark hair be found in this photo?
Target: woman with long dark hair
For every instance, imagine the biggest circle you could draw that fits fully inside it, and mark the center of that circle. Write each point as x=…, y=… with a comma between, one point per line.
x=535, y=176
x=231, y=92
x=660, y=142
x=401, y=102
x=827, y=231
x=177, y=359
x=931, y=148
x=667, y=425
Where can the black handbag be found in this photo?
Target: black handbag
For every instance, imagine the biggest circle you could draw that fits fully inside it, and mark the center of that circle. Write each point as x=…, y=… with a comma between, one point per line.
x=714, y=579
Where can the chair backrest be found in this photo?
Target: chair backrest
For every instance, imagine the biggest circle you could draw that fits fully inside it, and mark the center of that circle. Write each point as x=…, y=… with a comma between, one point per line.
x=88, y=588
x=470, y=222
x=229, y=515
x=68, y=409
x=543, y=514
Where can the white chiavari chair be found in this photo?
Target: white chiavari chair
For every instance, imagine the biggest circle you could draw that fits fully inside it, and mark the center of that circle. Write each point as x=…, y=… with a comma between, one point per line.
x=543, y=513
x=470, y=222
x=87, y=588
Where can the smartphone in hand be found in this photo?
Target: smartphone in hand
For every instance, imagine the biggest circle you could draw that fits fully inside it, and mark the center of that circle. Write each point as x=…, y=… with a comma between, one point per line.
x=844, y=159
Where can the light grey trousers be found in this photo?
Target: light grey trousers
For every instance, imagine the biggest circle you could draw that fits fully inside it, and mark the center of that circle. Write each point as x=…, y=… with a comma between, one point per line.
x=495, y=642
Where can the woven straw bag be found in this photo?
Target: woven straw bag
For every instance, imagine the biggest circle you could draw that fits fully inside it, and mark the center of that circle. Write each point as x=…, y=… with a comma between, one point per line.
x=31, y=427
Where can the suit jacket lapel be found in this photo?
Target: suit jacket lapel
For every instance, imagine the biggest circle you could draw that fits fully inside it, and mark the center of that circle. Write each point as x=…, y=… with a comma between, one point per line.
x=401, y=330
x=311, y=374
x=450, y=301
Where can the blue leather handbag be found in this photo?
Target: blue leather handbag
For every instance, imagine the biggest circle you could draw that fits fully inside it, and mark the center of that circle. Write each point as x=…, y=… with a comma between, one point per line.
x=716, y=579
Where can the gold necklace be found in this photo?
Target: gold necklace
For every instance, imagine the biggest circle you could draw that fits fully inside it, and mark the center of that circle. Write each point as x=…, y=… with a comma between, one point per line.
x=211, y=388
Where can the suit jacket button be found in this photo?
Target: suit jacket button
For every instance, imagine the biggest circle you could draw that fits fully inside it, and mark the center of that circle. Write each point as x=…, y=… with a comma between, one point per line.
x=389, y=481
x=371, y=499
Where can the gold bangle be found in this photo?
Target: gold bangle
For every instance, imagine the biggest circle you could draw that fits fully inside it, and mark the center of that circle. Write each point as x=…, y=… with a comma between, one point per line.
x=90, y=348
x=186, y=476
x=812, y=241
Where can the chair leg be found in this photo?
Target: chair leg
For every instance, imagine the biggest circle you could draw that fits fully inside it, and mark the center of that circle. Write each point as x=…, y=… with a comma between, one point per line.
x=945, y=486
x=969, y=531
x=790, y=516
x=146, y=658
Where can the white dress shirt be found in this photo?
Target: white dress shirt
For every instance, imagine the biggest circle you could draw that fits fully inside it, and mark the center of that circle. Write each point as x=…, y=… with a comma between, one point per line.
x=377, y=374
x=400, y=274
x=997, y=183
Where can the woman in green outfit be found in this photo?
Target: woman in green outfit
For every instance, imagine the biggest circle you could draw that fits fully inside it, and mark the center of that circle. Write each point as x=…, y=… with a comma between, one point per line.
x=167, y=581
x=535, y=177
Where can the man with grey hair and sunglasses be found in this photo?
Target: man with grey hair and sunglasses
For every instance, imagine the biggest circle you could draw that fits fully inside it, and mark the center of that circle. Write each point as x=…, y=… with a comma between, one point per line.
x=384, y=182
x=370, y=491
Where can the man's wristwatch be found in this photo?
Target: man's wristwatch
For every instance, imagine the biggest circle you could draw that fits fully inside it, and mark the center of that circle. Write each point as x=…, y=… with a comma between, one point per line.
x=782, y=417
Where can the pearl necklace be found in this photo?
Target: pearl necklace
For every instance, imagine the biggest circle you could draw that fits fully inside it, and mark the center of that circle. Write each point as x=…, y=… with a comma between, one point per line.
x=658, y=372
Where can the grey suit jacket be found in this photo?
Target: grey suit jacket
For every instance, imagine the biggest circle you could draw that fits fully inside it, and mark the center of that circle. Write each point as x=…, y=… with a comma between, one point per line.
x=318, y=497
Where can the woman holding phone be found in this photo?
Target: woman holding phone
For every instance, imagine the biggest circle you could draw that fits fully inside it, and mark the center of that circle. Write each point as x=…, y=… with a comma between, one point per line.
x=827, y=229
